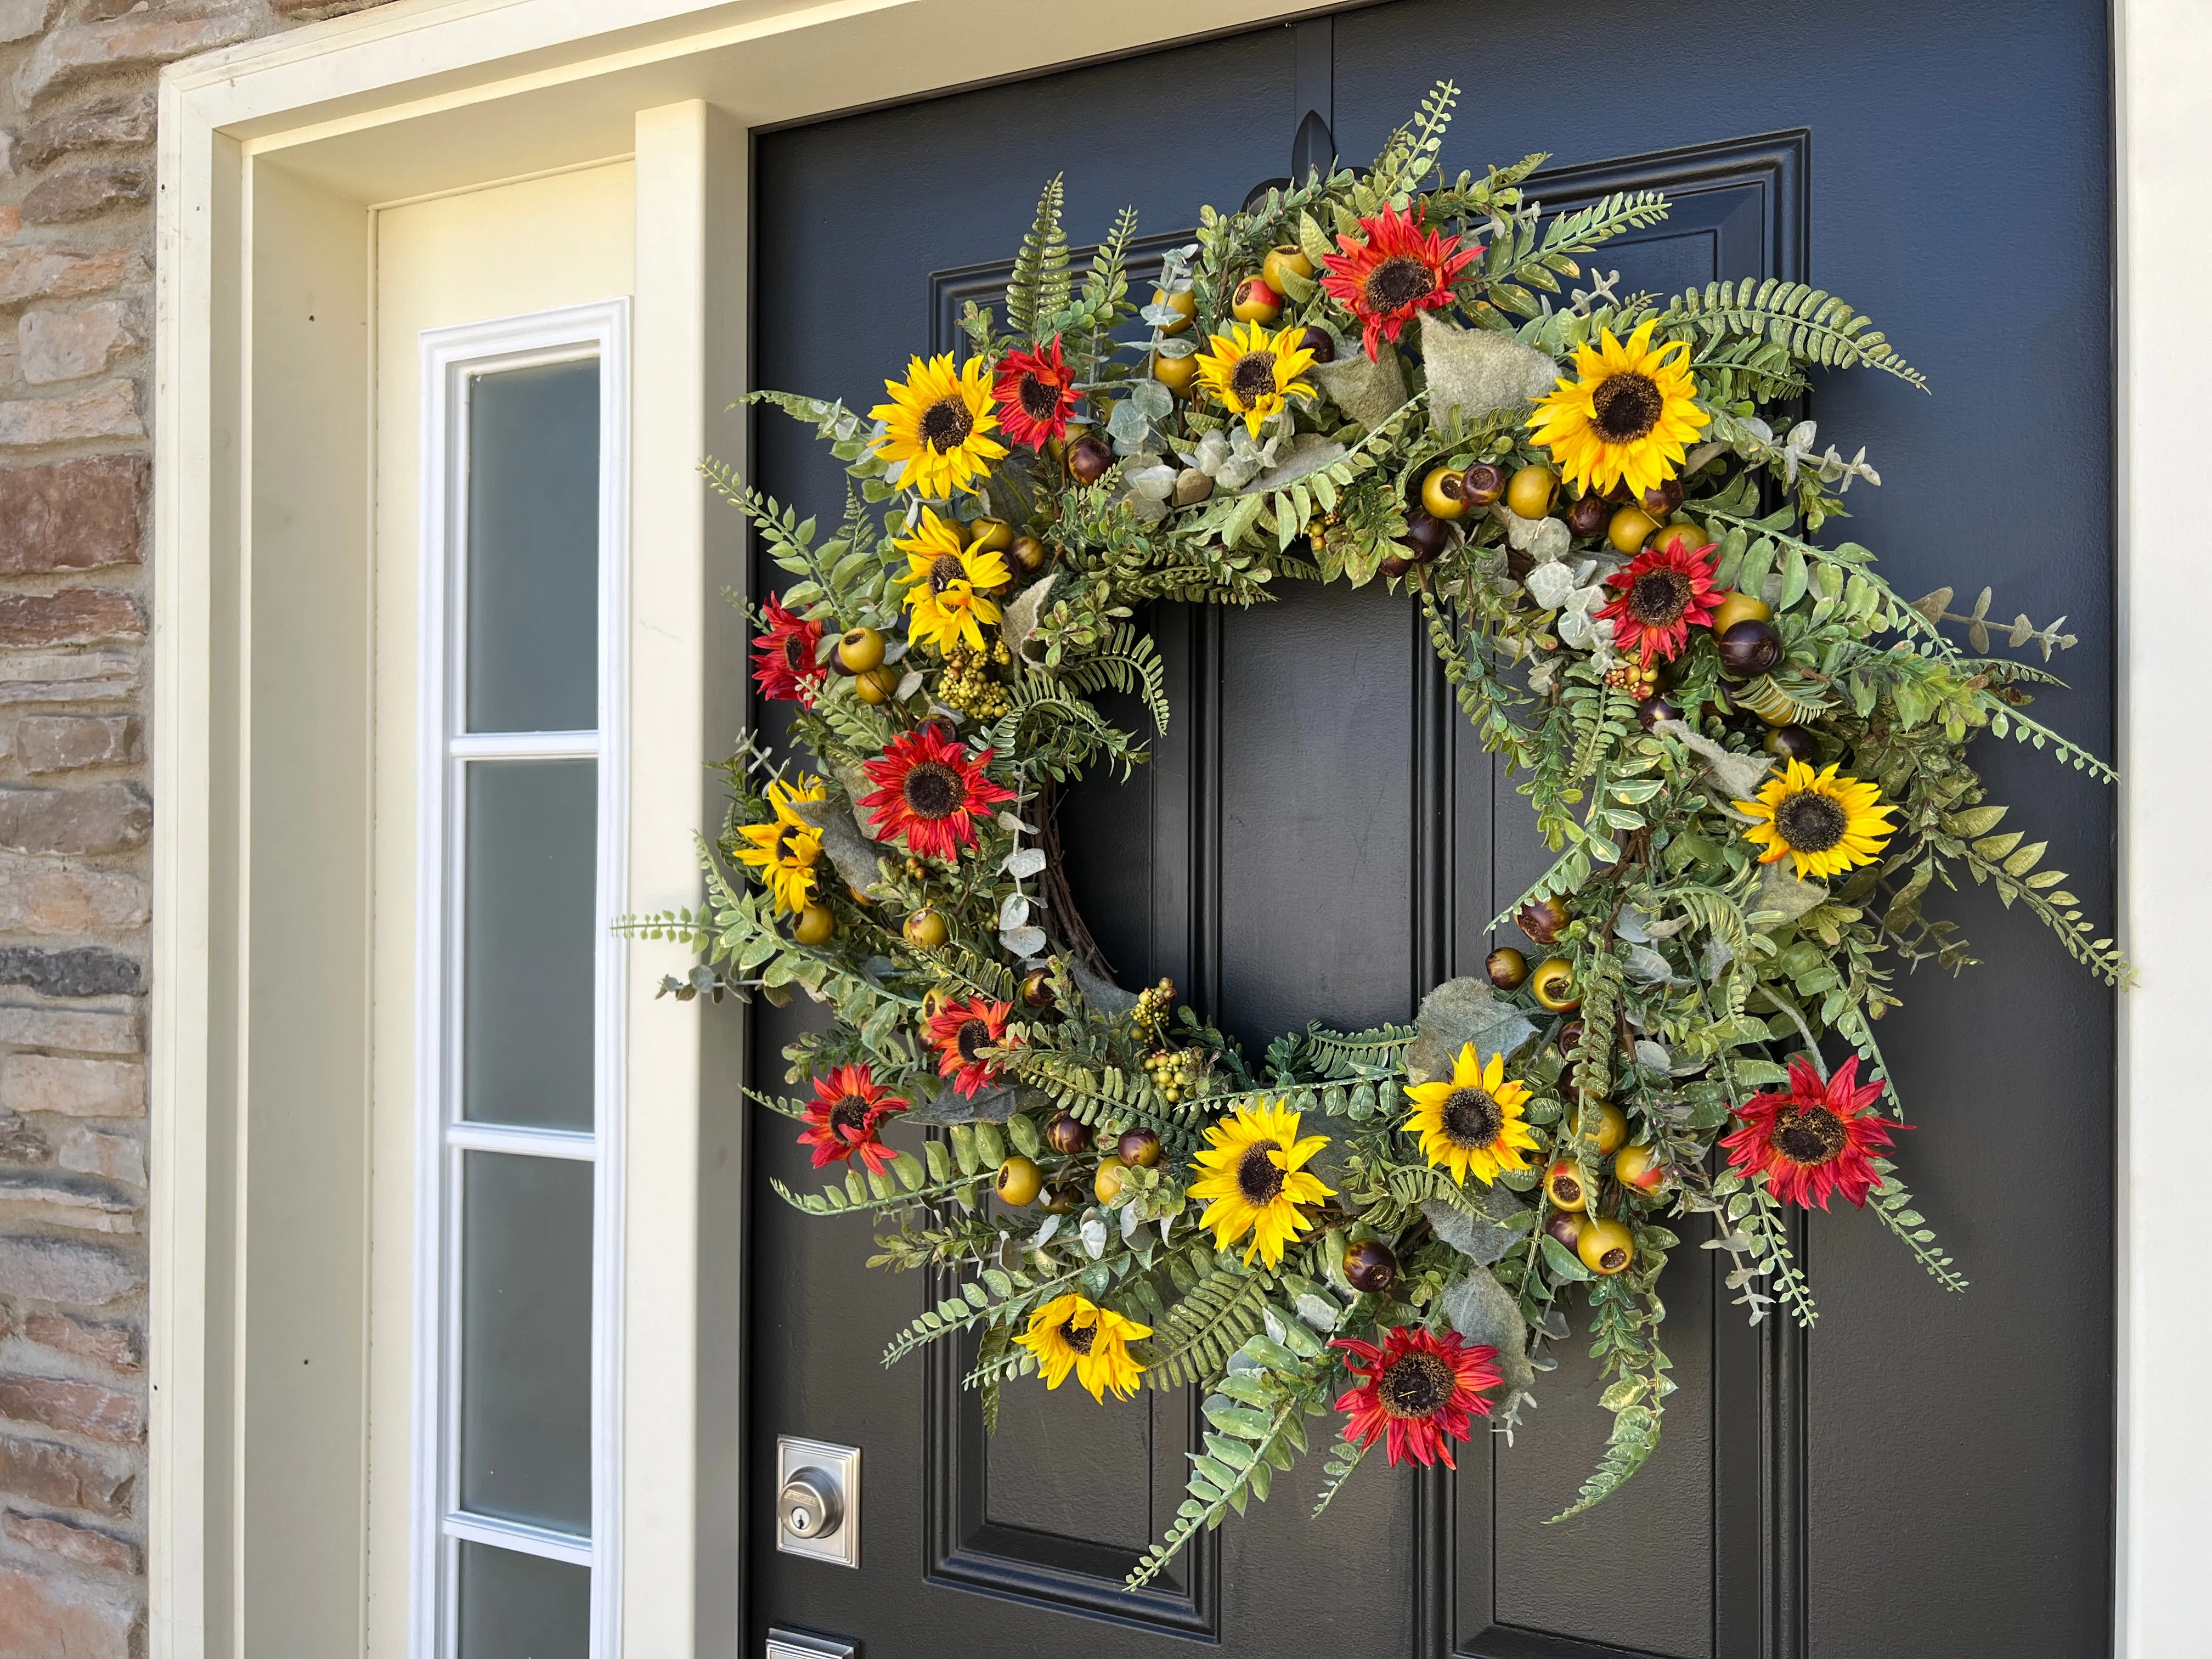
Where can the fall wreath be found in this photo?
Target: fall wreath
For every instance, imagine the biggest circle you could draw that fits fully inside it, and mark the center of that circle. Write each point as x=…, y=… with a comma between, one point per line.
x=1747, y=752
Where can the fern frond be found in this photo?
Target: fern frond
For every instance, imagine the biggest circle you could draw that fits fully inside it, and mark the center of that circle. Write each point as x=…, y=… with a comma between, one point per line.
x=1811, y=325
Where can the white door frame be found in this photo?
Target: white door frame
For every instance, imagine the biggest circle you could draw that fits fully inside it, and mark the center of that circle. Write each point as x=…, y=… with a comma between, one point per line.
x=272, y=154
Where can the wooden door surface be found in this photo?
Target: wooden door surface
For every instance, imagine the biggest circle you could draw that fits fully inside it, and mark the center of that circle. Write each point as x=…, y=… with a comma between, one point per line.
x=1321, y=837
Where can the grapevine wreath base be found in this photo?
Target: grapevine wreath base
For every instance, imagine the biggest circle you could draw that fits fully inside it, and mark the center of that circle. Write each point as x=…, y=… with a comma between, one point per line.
x=1747, y=752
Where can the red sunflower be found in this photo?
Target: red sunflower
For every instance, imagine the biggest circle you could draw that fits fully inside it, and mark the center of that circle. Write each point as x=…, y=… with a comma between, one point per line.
x=958, y=1031
x=1814, y=1138
x=1036, y=395
x=1399, y=270
x=931, y=792
x=787, y=669
x=1422, y=1387
x=1660, y=595
x=848, y=1109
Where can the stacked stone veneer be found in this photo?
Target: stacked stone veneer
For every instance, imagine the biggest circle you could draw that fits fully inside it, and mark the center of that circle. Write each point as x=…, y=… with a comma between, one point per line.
x=77, y=101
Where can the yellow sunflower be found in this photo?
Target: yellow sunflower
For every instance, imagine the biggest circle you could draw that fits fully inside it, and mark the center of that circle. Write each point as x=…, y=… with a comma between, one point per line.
x=1826, y=822
x=1254, y=1182
x=785, y=849
x=1253, y=373
x=948, y=582
x=1071, y=1333
x=1627, y=418
x=938, y=424
x=1472, y=1124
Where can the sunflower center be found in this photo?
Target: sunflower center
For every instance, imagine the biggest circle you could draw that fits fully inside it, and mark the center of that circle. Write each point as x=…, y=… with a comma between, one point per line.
x=1625, y=407
x=1254, y=377
x=794, y=656
x=1659, y=598
x=1080, y=1337
x=1471, y=1118
x=851, y=1112
x=787, y=848
x=946, y=424
x=1810, y=823
x=1257, y=1178
x=1040, y=397
x=1416, y=1386
x=944, y=571
x=932, y=791
x=1398, y=282
x=1812, y=1136
x=975, y=1037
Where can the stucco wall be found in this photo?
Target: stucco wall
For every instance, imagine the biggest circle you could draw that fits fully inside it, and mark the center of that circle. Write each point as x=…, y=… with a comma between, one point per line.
x=76, y=244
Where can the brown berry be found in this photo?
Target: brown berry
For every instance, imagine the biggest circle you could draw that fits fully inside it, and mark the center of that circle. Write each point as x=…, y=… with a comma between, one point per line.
x=1662, y=499
x=1544, y=920
x=1139, y=1147
x=1652, y=710
x=1371, y=1267
x=1037, y=988
x=1588, y=515
x=1426, y=537
x=1090, y=457
x=1571, y=1036
x=1790, y=742
x=1506, y=967
x=1394, y=566
x=1750, y=649
x=1566, y=1226
x=1320, y=342
x=1061, y=1196
x=1068, y=1134
x=1482, y=483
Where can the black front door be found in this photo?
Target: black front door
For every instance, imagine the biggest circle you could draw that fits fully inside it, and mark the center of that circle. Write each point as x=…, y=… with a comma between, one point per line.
x=1321, y=838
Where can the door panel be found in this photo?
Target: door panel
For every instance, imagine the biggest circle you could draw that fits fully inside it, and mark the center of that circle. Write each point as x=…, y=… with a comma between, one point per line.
x=1320, y=836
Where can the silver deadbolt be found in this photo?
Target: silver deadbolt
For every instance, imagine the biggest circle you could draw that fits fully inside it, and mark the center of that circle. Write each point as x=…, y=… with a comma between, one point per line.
x=810, y=1506
x=818, y=1500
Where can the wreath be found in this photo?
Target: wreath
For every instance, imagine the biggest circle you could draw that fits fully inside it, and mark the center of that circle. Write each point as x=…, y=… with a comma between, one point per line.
x=1746, y=751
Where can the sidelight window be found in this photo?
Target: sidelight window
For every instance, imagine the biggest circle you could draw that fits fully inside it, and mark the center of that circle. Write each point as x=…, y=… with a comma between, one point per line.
x=518, y=1187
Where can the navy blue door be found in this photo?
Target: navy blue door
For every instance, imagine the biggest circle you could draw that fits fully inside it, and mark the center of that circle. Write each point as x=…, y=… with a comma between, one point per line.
x=1321, y=838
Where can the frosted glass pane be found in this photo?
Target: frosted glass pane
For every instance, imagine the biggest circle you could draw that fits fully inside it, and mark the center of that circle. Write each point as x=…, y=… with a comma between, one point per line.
x=526, y=1340
x=533, y=553
x=530, y=932
x=522, y=1607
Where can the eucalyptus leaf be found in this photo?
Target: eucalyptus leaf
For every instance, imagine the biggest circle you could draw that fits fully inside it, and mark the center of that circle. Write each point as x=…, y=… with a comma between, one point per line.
x=1458, y=1013
x=1482, y=1310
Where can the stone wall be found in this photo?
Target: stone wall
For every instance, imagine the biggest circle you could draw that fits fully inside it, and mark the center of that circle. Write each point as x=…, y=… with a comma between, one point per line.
x=77, y=240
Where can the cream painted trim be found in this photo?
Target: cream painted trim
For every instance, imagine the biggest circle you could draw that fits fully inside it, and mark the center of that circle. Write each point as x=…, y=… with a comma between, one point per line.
x=2162, y=166
x=407, y=100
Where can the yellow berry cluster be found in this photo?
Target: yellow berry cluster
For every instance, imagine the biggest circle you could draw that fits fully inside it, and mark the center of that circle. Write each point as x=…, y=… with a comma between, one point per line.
x=966, y=682
x=1173, y=1070
x=1154, y=1004
x=1639, y=679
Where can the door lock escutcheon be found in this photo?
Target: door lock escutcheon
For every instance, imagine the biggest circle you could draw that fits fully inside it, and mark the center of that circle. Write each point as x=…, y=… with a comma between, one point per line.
x=818, y=1505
